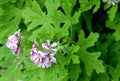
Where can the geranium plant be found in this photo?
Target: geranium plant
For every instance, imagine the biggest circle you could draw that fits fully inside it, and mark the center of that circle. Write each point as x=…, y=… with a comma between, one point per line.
x=59, y=40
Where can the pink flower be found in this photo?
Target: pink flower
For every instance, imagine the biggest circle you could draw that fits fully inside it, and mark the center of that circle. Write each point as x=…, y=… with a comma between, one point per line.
x=16, y=51
x=49, y=46
x=42, y=59
x=14, y=41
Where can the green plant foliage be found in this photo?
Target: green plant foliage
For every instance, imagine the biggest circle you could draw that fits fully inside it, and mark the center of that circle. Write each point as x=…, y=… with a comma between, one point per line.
x=115, y=25
x=88, y=4
x=112, y=12
x=87, y=34
x=100, y=77
x=114, y=54
x=10, y=19
x=115, y=72
x=90, y=60
x=75, y=71
x=38, y=17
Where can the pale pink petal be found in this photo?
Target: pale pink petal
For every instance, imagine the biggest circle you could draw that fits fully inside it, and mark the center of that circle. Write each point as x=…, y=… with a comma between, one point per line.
x=55, y=50
x=33, y=57
x=53, y=59
x=46, y=46
x=54, y=44
x=41, y=64
x=47, y=63
x=16, y=51
x=46, y=54
x=17, y=33
x=34, y=51
x=40, y=53
x=35, y=45
x=36, y=61
x=52, y=54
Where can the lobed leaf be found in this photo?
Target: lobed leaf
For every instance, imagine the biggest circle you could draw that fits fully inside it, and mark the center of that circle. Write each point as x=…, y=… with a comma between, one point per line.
x=90, y=60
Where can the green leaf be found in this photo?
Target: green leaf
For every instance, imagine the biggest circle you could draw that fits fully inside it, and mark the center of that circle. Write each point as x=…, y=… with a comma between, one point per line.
x=9, y=22
x=101, y=77
x=1, y=11
x=34, y=16
x=75, y=49
x=45, y=32
x=75, y=17
x=75, y=71
x=115, y=25
x=6, y=57
x=115, y=72
x=54, y=73
x=6, y=61
x=89, y=41
x=114, y=54
x=90, y=60
x=11, y=74
x=63, y=32
x=112, y=12
x=67, y=6
x=52, y=6
x=97, y=5
x=72, y=55
x=85, y=5
x=107, y=6
x=85, y=78
x=75, y=58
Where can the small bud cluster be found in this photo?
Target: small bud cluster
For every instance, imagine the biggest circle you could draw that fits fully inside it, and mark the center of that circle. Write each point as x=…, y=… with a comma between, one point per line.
x=43, y=59
x=112, y=1
x=14, y=42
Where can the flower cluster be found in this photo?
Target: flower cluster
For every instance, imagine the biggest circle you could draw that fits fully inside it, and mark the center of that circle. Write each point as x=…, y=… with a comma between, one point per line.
x=43, y=59
x=111, y=1
x=14, y=42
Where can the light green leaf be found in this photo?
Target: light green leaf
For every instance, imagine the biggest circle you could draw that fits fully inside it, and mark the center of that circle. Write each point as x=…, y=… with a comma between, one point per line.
x=63, y=32
x=45, y=32
x=85, y=5
x=90, y=60
x=67, y=6
x=115, y=25
x=75, y=18
x=34, y=16
x=54, y=73
x=89, y=41
x=112, y=12
x=72, y=55
x=9, y=22
x=75, y=49
x=75, y=59
x=11, y=74
x=52, y=6
x=75, y=71
x=97, y=5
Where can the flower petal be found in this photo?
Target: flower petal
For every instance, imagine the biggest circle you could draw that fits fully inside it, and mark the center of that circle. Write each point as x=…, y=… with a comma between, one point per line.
x=54, y=44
